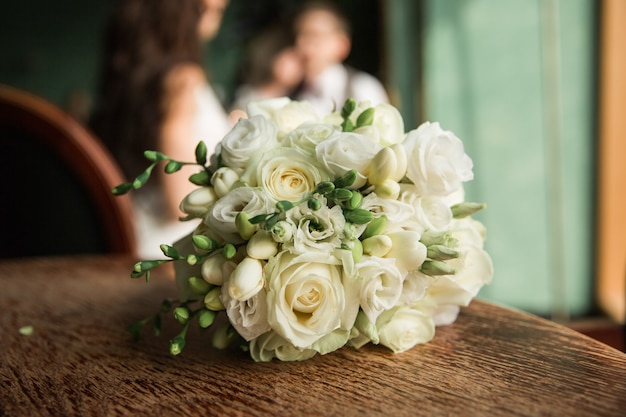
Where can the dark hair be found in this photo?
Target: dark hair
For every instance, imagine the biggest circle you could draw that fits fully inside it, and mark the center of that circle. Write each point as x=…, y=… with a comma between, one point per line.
x=143, y=41
x=343, y=23
x=257, y=66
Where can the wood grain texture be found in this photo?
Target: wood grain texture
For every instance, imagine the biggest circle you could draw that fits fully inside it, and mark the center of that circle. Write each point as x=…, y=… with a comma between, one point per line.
x=79, y=360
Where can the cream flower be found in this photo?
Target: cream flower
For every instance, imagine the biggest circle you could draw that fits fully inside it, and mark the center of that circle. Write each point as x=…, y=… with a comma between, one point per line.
x=381, y=285
x=387, y=123
x=306, y=297
x=438, y=163
x=248, y=317
x=245, y=140
x=403, y=327
x=308, y=136
x=246, y=280
x=343, y=152
x=271, y=345
x=287, y=115
x=285, y=174
x=317, y=230
x=221, y=218
x=198, y=202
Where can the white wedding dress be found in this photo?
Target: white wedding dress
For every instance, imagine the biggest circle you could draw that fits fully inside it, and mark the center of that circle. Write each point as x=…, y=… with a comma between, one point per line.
x=151, y=226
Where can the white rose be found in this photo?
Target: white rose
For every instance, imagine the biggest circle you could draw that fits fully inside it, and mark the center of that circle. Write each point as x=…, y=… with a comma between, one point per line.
x=284, y=113
x=285, y=174
x=245, y=140
x=306, y=297
x=271, y=345
x=221, y=218
x=381, y=285
x=343, y=152
x=437, y=160
x=318, y=230
x=198, y=202
x=248, y=317
x=307, y=136
x=403, y=327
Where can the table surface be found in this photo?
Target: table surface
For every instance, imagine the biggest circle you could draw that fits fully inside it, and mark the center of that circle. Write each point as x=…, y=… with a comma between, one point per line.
x=79, y=360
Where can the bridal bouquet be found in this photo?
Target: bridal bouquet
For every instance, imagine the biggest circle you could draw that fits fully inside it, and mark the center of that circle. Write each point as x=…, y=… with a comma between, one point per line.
x=318, y=233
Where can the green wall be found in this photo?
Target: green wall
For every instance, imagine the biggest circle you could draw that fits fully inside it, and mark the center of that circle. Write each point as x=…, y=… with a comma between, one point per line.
x=487, y=79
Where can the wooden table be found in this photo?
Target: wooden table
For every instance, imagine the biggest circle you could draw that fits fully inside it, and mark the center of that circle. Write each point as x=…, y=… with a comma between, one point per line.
x=80, y=361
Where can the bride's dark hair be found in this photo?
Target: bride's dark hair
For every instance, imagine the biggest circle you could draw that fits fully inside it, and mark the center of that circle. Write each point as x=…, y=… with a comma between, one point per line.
x=143, y=41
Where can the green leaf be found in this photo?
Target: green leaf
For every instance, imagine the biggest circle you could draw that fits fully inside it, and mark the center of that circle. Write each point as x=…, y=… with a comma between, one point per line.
x=170, y=251
x=156, y=325
x=340, y=194
x=348, y=108
x=199, y=285
x=135, y=329
x=206, y=318
x=122, y=188
x=200, y=178
x=271, y=221
x=366, y=118
x=347, y=125
x=284, y=205
x=152, y=156
x=203, y=242
x=260, y=218
x=201, y=153
x=173, y=166
x=358, y=216
x=346, y=180
x=324, y=187
x=143, y=178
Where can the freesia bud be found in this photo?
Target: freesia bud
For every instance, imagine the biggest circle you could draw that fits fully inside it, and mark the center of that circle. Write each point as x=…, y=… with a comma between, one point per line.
x=434, y=268
x=212, y=269
x=243, y=225
x=378, y=245
x=262, y=245
x=466, y=209
x=199, y=285
x=389, y=189
x=282, y=231
x=212, y=300
x=401, y=162
x=407, y=250
x=442, y=253
x=382, y=166
x=198, y=202
x=206, y=318
x=375, y=227
x=246, y=280
x=181, y=314
x=223, y=180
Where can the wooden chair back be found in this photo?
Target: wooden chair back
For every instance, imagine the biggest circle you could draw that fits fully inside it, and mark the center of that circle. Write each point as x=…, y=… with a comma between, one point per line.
x=56, y=180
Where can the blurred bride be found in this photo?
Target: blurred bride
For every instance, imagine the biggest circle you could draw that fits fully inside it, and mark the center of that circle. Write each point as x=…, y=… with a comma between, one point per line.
x=154, y=94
